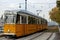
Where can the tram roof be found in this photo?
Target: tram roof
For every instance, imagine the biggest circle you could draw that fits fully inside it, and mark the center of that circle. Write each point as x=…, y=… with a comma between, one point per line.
x=29, y=13
x=24, y=12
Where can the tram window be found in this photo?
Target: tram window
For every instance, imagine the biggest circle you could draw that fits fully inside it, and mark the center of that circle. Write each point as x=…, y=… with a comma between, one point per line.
x=45, y=22
x=35, y=21
x=24, y=19
x=39, y=21
x=42, y=21
x=18, y=19
x=10, y=19
x=32, y=20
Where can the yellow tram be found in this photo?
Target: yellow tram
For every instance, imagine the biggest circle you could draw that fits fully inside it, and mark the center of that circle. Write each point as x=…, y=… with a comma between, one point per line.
x=20, y=23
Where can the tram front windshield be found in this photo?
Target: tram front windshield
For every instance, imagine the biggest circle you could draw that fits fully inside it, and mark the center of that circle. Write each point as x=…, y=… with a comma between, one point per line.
x=10, y=19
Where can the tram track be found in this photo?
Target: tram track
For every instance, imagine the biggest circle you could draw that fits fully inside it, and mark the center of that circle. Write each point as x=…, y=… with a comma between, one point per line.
x=31, y=37
x=36, y=36
x=40, y=37
x=49, y=36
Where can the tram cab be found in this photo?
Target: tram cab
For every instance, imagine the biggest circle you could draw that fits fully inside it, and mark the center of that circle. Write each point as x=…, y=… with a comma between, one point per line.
x=9, y=23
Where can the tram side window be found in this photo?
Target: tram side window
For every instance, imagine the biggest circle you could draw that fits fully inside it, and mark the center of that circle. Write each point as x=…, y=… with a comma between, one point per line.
x=42, y=21
x=30, y=19
x=45, y=22
x=39, y=21
x=35, y=22
x=24, y=19
x=18, y=19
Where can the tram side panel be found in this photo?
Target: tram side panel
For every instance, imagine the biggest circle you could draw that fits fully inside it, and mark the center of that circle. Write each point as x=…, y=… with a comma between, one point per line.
x=20, y=29
x=30, y=28
x=39, y=27
x=43, y=26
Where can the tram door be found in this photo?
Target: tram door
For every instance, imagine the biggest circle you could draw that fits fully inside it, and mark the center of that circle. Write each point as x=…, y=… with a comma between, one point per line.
x=20, y=26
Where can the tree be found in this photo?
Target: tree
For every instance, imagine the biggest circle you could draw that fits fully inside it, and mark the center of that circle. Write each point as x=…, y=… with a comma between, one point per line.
x=55, y=14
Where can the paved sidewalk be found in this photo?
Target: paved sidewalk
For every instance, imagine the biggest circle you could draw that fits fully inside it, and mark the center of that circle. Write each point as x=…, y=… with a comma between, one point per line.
x=57, y=36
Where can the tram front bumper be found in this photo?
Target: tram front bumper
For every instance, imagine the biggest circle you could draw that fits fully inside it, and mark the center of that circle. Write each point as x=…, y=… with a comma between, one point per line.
x=9, y=33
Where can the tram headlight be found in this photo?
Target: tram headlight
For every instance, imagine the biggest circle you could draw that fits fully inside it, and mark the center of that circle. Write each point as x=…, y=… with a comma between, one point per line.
x=8, y=31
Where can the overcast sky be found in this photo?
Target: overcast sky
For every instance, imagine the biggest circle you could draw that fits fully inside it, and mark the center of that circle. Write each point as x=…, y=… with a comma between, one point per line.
x=33, y=5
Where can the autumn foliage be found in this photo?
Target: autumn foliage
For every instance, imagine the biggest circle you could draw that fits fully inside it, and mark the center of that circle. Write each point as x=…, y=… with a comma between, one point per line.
x=55, y=14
